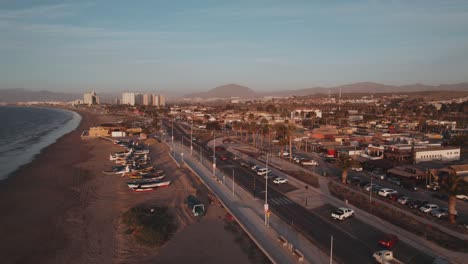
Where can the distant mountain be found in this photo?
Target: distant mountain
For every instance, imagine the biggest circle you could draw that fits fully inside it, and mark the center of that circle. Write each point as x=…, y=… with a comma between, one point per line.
x=23, y=95
x=226, y=91
x=369, y=87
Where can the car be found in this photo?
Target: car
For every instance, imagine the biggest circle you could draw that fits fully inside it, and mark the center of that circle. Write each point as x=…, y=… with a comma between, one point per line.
x=342, y=213
x=388, y=241
x=394, y=180
x=356, y=168
x=255, y=167
x=309, y=163
x=433, y=186
x=393, y=196
x=263, y=171
x=369, y=186
x=428, y=208
x=386, y=191
x=440, y=213
x=409, y=185
x=462, y=197
x=280, y=180
x=404, y=200
x=223, y=157
x=246, y=164
x=219, y=148
x=378, y=175
x=354, y=181
x=416, y=204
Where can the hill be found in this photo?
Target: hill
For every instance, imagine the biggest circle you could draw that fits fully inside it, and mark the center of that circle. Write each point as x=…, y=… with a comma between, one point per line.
x=23, y=95
x=227, y=91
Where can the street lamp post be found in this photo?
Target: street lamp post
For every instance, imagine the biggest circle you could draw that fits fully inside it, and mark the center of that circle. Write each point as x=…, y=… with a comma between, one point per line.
x=182, y=157
x=172, y=137
x=370, y=190
x=266, y=192
x=331, y=250
x=214, y=154
x=191, y=139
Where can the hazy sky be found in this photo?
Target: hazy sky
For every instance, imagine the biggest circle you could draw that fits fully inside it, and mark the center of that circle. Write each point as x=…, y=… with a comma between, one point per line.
x=196, y=45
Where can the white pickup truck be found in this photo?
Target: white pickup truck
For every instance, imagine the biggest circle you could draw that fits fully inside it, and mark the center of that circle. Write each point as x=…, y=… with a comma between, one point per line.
x=385, y=256
x=342, y=213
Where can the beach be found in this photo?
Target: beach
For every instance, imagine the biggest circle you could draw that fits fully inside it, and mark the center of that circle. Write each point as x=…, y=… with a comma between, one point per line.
x=60, y=208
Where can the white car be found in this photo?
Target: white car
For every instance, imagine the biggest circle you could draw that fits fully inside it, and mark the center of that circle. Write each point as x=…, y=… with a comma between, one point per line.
x=386, y=191
x=428, y=208
x=263, y=171
x=404, y=200
x=280, y=180
x=255, y=167
x=309, y=163
x=462, y=197
x=356, y=168
x=342, y=213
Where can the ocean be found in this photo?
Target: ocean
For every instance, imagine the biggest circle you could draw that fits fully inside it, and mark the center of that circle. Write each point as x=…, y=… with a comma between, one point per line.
x=25, y=131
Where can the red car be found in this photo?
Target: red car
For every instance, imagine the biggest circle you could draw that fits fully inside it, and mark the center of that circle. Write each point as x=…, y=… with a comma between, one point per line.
x=388, y=241
x=223, y=157
x=219, y=148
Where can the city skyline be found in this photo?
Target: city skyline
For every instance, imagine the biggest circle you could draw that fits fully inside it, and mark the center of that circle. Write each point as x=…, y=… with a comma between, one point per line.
x=112, y=46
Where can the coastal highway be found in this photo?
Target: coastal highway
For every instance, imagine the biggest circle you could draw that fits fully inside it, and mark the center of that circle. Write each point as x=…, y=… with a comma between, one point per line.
x=351, y=244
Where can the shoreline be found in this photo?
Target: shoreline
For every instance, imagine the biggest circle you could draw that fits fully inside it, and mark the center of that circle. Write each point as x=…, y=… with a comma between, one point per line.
x=52, y=137
x=35, y=198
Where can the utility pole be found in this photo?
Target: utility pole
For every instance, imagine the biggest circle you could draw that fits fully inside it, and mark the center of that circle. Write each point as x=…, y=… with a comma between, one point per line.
x=370, y=190
x=331, y=251
x=172, y=136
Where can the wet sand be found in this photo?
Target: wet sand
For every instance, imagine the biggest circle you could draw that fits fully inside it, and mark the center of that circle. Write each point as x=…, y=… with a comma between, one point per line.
x=61, y=208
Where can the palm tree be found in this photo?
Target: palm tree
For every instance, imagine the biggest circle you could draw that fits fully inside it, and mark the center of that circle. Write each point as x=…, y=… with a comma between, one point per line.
x=253, y=128
x=455, y=185
x=345, y=162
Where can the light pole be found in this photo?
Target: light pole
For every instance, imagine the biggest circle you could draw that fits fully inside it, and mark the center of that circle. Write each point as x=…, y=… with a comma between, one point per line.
x=266, y=192
x=191, y=138
x=172, y=137
x=370, y=190
x=331, y=250
x=233, y=194
x=214, y=154
x=182, y=157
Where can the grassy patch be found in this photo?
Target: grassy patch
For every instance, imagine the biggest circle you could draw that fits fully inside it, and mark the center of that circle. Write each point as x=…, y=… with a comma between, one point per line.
x=150, y=226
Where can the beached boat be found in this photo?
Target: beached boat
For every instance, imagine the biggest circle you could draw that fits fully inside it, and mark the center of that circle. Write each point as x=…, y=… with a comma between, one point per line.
x=143, y=190
x=149, y=184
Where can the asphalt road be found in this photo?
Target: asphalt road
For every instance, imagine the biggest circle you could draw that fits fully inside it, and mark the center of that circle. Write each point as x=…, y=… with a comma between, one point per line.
x=354, y=241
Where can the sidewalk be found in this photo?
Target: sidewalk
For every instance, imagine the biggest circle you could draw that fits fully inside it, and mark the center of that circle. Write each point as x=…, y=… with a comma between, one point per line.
x=249, y=213
x=419, y=243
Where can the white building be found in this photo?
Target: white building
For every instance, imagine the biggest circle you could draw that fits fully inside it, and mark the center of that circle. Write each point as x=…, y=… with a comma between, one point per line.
x=90, y=98
x=147, y=99
x=128, y=98
x=437, y=153
x=301, y=113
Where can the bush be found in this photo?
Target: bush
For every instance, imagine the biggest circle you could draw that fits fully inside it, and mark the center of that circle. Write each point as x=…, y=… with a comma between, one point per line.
x=152, y=227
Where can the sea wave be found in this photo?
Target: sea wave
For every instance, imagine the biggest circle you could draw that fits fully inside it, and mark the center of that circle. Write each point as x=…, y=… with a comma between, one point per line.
x=22, y=151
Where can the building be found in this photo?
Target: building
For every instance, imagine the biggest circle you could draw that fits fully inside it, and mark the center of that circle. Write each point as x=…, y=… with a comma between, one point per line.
x=138, y=99
x=147, y=99
x=128, y=98
x=162, y=100
x=90, y=98
x=159, y=100
x=155, y=99
x=105, y=130
x=437, y=153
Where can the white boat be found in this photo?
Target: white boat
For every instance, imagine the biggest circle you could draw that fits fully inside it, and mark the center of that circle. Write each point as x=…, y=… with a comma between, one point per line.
x=150, y=184
x=142, y=190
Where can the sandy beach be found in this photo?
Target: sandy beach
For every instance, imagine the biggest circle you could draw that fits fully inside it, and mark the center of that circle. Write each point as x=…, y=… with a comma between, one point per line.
x=60, y=208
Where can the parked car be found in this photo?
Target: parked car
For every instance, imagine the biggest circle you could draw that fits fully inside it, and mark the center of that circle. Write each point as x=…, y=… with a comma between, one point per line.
x=255, y=167
x=223, y=157
x=404, y=200
x=219, y=148
x=393, y=196
x=342, y=213
x=394, y=180
x=416, y=204
x=246, y=164
x=280, y=180
x=354, y=181
x=442, y=213
x=386, y=191
x=388, y=241
x=428, y=208
x=462, y=197
x=356, y=168
x=433, y=186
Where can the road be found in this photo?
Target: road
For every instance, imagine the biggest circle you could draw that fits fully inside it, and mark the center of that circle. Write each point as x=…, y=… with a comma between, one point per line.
x=351, y=244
